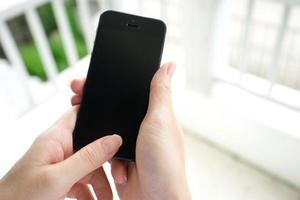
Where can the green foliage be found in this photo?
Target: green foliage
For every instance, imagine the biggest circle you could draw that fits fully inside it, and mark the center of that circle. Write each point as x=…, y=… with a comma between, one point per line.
x=32, y=60
x=30, y=53
x=75, y=28
x=58, y=51
x=47, y=18
x=49, y=24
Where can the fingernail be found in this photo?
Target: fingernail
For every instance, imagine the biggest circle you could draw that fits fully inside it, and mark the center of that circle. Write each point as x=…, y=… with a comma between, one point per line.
x=171, y=69
x=72, y=81
x=121, y=180
x=111, y=143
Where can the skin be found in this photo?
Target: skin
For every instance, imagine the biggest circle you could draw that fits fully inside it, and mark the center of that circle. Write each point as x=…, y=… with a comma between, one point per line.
x=50, y=170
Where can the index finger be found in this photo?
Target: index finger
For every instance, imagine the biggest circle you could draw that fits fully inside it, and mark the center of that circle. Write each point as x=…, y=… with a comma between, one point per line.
x=77, y=85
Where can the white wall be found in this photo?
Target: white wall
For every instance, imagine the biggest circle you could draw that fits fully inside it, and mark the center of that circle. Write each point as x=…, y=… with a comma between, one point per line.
x=235, y=130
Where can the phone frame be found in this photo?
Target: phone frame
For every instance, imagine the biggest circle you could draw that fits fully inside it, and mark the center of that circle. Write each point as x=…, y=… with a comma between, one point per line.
x=129, y=23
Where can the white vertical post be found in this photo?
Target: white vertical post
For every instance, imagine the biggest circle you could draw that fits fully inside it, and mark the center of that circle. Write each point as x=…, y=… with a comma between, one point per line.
x=85, y=22
x=11, y=50
x=244, y=46
x=278, y=47
x=198, y=43
x=220, y=50
x=65, y=31
x=40, y=38
x=140, y=7
x=103, y=4
x=164, y=9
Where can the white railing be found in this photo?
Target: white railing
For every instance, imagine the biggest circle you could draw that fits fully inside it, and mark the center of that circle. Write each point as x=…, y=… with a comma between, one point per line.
x=166, y=10
x=29, y=10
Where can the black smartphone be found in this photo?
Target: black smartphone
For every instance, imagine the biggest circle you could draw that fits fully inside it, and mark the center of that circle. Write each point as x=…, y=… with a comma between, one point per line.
x=127, y=52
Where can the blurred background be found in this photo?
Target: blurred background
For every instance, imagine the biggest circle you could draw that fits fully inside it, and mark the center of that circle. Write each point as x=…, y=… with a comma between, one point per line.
x=236, y=89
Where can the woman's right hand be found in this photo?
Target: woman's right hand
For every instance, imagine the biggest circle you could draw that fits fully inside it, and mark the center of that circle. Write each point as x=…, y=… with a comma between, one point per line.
x=159, y=170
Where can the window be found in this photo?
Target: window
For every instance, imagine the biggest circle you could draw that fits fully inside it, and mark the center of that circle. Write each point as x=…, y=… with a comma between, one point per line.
x=263, y=44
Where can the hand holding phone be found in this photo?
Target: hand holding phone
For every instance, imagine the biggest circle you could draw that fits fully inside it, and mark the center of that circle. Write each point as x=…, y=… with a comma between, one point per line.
x=159, y=170
x=115, y=99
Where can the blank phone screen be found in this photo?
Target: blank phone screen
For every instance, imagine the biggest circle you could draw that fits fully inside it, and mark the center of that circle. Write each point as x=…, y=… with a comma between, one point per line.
x=116, y=91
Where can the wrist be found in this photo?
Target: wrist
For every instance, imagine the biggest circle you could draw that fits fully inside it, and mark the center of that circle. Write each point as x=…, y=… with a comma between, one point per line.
x=4, y=190
x=179, y=190
x=182, y=194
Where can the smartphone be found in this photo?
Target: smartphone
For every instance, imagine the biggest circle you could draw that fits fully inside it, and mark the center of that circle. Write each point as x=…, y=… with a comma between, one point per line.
x=126, y=54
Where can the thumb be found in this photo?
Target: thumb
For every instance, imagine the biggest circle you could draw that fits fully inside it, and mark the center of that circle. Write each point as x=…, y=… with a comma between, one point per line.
x=89, y=158
x=160, y=89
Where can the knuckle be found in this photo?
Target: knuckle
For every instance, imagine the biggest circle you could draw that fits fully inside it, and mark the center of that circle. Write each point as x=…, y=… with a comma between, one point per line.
x=161, y=117
x=90, y=155
x=160, y=84
x=48, y=176
x=154, y=120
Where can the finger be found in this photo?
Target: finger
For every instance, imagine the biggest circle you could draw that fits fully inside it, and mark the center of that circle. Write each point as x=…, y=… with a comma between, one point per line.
x=58, y=136
x=101, y=185
x=160, y=90
x=119, y=171
x=80, y=192
x=89, y=158
x=77, y=85
x=76, y=100
x=134, y=179
x=65, y=127
x=67, y=121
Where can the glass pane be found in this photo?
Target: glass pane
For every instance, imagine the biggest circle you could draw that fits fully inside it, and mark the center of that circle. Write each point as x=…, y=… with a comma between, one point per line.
x=75, y=28
x=289, y=66
x=27, y=47
x=294, y=18
x=2, y=54
x=54, y=40
x=268, y=12
x=239, y=8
